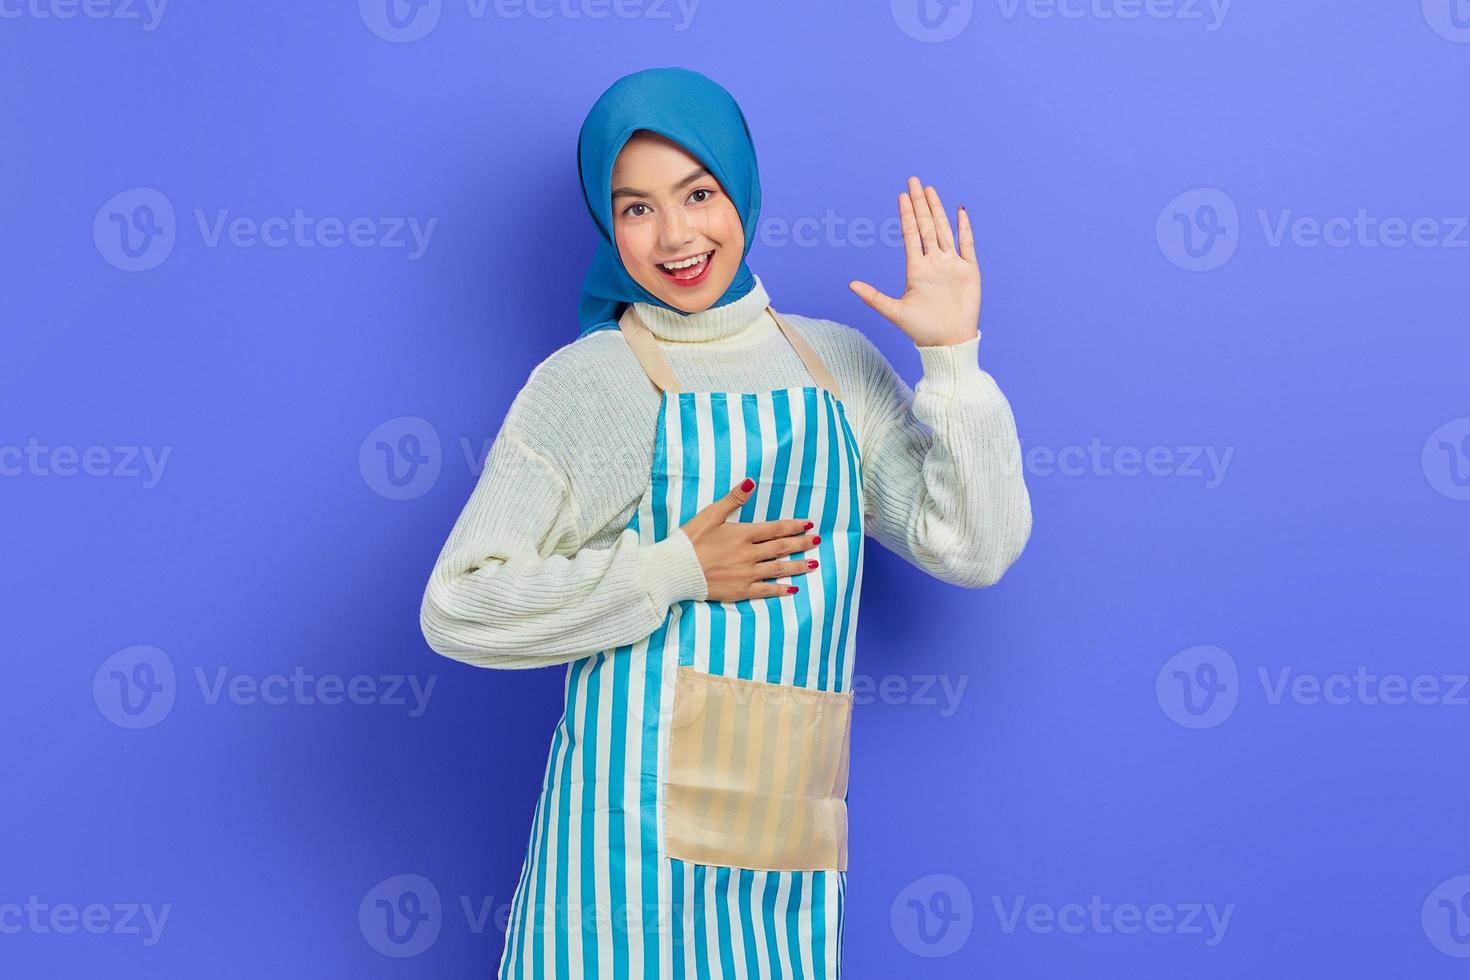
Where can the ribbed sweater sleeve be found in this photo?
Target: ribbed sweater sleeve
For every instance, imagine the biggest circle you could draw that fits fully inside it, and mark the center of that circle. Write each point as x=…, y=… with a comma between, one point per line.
x=944, y=488
x=512, y=588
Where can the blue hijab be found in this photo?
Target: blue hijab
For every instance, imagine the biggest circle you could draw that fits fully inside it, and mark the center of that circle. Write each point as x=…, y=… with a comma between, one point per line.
x=698, y=114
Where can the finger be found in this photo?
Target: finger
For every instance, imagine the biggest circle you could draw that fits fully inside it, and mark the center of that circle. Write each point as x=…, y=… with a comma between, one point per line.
x=777, y=569
x=781, y=547
x=767, y=590
x=883, y=303
x=967, y=236
x=771, y=530
x=912, y=246
x=941, y=220
x=921, y=212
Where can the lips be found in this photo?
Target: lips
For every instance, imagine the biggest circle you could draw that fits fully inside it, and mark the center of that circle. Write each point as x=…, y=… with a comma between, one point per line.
x=689, y=275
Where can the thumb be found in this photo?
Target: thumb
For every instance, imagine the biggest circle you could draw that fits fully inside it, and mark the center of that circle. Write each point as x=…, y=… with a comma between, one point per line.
x=883, y=303
x=720, y=510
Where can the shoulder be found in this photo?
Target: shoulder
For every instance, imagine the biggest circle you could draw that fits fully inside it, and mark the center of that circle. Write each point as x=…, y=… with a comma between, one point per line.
x=585, y=394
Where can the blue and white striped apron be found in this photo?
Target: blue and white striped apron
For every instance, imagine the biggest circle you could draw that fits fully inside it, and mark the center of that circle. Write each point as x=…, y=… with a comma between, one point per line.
x=598, y=896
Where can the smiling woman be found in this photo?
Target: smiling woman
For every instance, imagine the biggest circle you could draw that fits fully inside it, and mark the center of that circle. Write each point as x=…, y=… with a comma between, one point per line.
x=676, y=508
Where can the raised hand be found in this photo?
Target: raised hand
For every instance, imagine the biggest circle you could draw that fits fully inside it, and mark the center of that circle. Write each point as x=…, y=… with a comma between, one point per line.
x=941, y=299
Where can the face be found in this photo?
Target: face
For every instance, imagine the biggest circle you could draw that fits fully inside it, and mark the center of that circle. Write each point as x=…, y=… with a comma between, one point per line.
x=667, y=208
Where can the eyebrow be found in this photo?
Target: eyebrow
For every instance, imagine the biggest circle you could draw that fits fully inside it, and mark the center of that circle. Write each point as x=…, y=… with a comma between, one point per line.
x=631, y=192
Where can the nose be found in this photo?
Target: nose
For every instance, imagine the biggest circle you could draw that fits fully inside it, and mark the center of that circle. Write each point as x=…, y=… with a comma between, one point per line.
x=674, y=230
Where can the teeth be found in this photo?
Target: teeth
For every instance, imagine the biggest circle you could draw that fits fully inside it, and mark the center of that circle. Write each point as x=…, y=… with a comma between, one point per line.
x=671, y=266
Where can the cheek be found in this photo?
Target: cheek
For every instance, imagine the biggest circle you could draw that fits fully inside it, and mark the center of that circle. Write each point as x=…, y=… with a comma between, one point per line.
x=725, y=224
x=631, y=242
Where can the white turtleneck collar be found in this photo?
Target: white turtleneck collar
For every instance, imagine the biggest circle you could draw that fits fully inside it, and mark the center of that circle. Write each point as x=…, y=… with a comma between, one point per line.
x=738, y=321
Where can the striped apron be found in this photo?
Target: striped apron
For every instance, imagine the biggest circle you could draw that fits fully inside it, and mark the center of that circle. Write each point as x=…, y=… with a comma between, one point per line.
x=692, y=819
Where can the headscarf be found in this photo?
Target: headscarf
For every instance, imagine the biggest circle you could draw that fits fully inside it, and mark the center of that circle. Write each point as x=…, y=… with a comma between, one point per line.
x=698, y=114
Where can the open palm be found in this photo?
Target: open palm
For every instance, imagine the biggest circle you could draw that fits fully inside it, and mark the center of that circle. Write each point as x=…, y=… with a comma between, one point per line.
x=941, y=298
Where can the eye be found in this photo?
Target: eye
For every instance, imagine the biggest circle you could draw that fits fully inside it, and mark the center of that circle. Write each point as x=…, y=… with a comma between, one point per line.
x=701, y=190
x=628, y=211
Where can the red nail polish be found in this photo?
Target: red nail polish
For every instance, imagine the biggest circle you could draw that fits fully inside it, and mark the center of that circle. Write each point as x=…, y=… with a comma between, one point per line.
x=747, y=484
x=807, y=526
x=816, y=539
x=811, y=563
x=790, y=589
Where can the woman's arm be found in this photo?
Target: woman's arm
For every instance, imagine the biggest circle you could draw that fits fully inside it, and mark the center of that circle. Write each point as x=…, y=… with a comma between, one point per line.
x=943, y=484
x=511, y=588
x=942, y=463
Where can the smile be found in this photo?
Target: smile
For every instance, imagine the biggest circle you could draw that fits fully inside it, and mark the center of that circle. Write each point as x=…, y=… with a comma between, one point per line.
x=689, y=271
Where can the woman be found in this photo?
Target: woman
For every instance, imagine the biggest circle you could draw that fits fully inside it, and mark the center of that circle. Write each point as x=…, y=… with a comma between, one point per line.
x=675, y=507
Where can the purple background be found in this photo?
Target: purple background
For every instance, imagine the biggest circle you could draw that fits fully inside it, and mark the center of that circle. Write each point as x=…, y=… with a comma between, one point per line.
x=1070, y=766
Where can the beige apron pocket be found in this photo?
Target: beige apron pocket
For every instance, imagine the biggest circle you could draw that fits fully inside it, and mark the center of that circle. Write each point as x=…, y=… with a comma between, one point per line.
x=757, y=774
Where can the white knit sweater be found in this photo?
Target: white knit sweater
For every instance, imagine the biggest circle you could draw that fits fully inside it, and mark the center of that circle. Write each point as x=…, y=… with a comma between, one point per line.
x=540, y=568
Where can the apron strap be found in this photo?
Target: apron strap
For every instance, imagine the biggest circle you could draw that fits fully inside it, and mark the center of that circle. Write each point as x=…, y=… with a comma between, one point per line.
x=651, y=358
x=808, y=355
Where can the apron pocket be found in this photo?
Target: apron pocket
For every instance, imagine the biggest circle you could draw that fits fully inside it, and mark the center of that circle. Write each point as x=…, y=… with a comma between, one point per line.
x=757, y=774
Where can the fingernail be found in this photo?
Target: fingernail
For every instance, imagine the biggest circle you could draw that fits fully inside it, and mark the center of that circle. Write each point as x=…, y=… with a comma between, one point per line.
x=807, y=526
x=811, y=563
x=790, y=589
x=816, y=539
x=962, y=207
x=747, y=483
